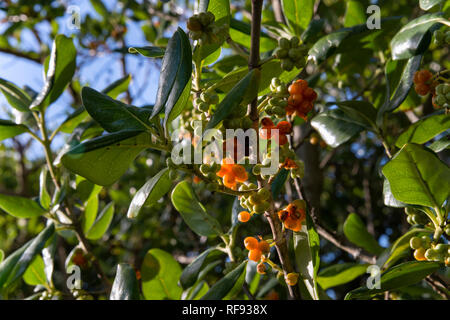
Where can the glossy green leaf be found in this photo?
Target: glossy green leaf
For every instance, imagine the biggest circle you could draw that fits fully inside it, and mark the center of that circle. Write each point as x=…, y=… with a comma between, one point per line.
x=298, y=14
x=341, y=273
x=388, y=197
x=335, y=127
x=198, y=291
x=105, y=159
x=424, y=130
x=117, y=87
x=14, y=266
x=90, y=213
x=244, y=91
x=355, y=231
x=417, y=176
x=20, y=207
x=175, y=72
x=113, y=115
x=153, y=190
x=362, y=113
x=193, y=212
x=125, y=286
x=102, y=223
x=414, y=37
x=307, y=259
x=179, y=106
x=190, y=274
x=441, y=144
x=35, y=274
x=314, y=28
x=402, y=275
x=240, y=32
x=355, y=14
x=160, y=273
x=73, y=120
x=16, y=97
x=428, y=4
x=2, y=255
x=278, y=182
x=100, y=8
x=61, y=68
x=44, y=196
x=222, y=287
x=9, y=129
x=148, y=51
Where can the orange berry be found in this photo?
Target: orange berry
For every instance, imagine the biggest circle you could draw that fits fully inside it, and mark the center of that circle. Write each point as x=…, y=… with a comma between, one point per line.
x=290, y=109
x=291, y=278
x=261, y=268
x=419, y=254
x=282, y=140
x=282, y=215
x=244, y=216
x=263, y=246
x=267, y=122
x=297, y=98
x=239, y=173
x=197, y=179
x=310, y=94
x=285, y=127
x=250, y=243
x=266, y=132
x=229, y=180
x=422, y=76
x=295, y=88
x=314, y=140
x=422, y=89
x=292, y=224
x=255, y=255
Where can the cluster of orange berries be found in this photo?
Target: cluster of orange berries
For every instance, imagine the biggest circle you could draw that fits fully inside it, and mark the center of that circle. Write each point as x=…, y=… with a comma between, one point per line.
x=256, y=248
x=293, y=215
x=282, y=129
x=232, y=174
x=301, y=98
x=423, y=83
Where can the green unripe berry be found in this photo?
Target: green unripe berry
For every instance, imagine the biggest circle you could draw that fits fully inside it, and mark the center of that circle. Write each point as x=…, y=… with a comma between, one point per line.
x=430, y=254
x=295, y=41
x=287, y=64
x=211, y=17
x=440, y=248
x=420, y=219
x=205, y=169
x=254, y=199
x=415, y=243
x=212, y=186
x=251, y=186
x=440, y=89
x=247, y=123
x=214, y=98
x=284, y=43
x=281, y=53
x=295, y=54
x=203, y=107
x=447, y=229
x=275, y=82
x=264, y=193
x=410, y=220
x=426, y=241
x=409, y=211
x=300, y=63
x=256, y=169
x=440, y=100
x=195, y=35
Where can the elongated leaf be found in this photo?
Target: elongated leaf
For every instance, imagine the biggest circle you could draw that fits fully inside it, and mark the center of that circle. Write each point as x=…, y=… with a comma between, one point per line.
x=153, y=190
x=89, y=213
x=160, y=273
x=341, y=273
x=335, y=127
x=414, y=37
x=175, y=72
x=13, y=267
x=402, y=275
x=190, y=274
x=2, y=255
x=105, y=159
x=441, y=144
x=278, y=182
x=356, y=232
x=117, y=87
x=125, y=286
x=73, y=120
x=16, y=97
x=150, y=52
x=388, y=197
x=222, y=287
x=424, y=130
x=61, y=67
x=428, y=4
x=193, y=212
x=113, y=115
x=240, y=32
x=20, y=207
x=179, y=106
x=9, y=129
x=355, y=14
x=298, y=14
x=102, y=223
x=361, y=112
x=417, y=176
x=44, y=196
x=35, y=274
x=307, y=259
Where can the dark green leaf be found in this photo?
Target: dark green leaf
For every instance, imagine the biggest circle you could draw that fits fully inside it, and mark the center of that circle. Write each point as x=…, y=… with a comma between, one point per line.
x=190, y=274
x=355, y=231
x=222, y=287
x=117, y=87
x=125, y=286
x=150, y=52
x=16, y=97
x=362, y=113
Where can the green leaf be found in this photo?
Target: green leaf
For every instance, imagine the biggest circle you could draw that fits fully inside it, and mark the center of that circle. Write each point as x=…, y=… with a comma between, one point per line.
x=61, y=68
x=222, y=287
x=244, y=91
x=197, y=291
x=240, y=32
x=190, y=274
x=35, y=274
x=73, y=120
x=338, y=274
x=102, y=223
x=100, y=8
x=362, y=113
x=171, y=114
x=125, y=286
x=9, y=129
x=160, y=273
x=20, y=207
x=278, y=182
x=355, y=14
x=90, y=212
x=355, y=231
x=44, y=196
x=117, y=87
x=153, y=190
x=105, y=159
x=307, y=259
x=428, y=4
x=441, y=144
x=414, y=38
x=16, y=97
x=400, y=276
x=335, y=127
x=175, y=73
x=417, y=176
x=13, y=267
x=424, y=130
x=388, y=197
x=148, y=51
x=113, y=115
x=193, y=212
x=2, y=255
x=298, y=14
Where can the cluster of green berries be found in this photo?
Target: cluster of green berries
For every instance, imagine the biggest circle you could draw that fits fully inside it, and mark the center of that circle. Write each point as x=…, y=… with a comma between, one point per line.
x=238, y=119
x=173, y=169
x=257, y=201
x=210, y=172
x=425, y=250
x=415, y=216
x=206, y=99
x=441, y=37
x=442, y=96
x=277, y=103
x=202, y=27
x=291, y=53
